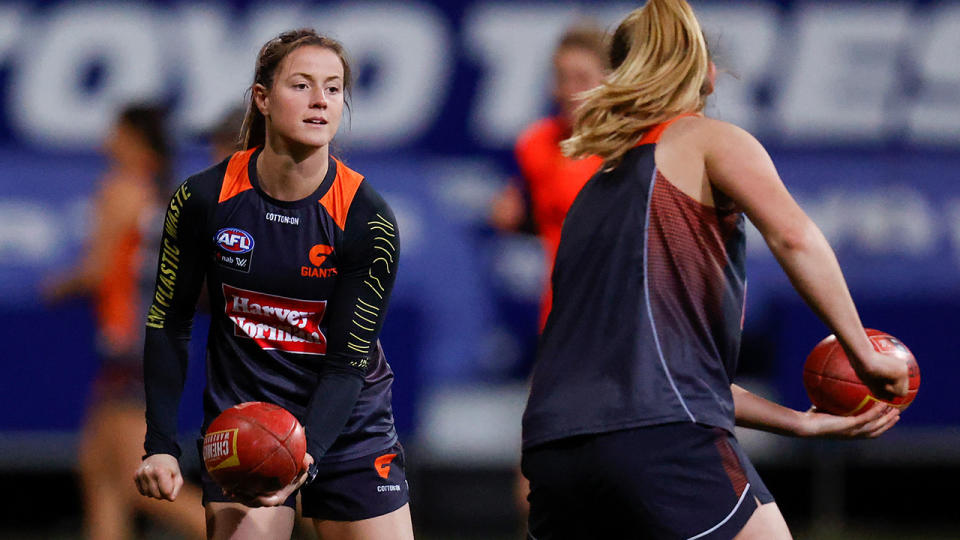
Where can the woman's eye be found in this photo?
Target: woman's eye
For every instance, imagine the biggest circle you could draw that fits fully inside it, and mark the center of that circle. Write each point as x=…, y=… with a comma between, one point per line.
x=300, y=86
x=333, y=90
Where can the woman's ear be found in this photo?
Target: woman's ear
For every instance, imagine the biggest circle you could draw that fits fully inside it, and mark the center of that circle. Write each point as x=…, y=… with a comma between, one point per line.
x=261, y=98
x=710, y=83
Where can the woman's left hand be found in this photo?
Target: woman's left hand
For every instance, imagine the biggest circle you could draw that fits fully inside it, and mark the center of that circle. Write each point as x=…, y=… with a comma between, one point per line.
x=275, y=498
x=867, y=425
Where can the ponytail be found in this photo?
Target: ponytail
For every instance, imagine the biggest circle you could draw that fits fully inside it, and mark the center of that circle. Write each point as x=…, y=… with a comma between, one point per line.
x=660, y=67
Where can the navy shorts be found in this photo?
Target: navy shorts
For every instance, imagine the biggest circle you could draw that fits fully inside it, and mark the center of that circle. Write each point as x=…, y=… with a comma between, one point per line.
x=350, y=490
x=681, y=480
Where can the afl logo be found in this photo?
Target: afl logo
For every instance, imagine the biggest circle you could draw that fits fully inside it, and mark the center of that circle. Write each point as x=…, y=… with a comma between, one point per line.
x=234, y=240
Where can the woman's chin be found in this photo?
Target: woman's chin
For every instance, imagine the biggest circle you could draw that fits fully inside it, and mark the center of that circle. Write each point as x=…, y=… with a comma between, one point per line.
x=301, y=144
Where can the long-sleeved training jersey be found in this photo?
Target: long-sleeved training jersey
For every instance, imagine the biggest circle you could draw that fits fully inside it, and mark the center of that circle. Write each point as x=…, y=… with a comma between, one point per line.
x=298, y=291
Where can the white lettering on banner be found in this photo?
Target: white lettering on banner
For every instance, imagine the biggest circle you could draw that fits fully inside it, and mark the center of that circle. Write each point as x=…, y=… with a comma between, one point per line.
x=953, y=223
x=845, y=70
x=836, y=76
x=935, y=117
x=12, y=21
x=28, y=234
x=409, y=44
x=218, y=56
x=514, y=44
x=887, y=220
x=49, y=103
x=743, y=38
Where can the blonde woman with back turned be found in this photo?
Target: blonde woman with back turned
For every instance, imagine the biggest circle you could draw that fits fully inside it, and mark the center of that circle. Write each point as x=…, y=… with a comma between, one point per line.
x=628, y=431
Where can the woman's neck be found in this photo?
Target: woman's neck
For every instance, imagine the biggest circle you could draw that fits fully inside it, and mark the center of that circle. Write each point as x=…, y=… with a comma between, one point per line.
x=286, y=175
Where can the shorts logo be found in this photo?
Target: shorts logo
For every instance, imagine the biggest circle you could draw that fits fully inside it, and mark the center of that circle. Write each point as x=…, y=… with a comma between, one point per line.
x=318, y=256
x=382, y=465
x=234, y=249
x=276, y=322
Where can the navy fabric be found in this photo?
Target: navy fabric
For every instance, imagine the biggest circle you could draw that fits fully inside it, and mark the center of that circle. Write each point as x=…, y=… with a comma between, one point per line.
x=648, y=291
x=670, y=481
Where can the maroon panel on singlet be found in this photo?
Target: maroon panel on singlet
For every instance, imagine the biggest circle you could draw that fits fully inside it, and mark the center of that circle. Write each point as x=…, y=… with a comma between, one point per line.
x=687, y=258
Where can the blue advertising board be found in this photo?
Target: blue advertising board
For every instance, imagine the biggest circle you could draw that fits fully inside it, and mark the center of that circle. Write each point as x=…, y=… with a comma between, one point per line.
x=859, y=104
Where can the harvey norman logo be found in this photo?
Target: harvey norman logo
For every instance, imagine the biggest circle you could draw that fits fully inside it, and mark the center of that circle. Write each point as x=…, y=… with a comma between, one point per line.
x=276, y=322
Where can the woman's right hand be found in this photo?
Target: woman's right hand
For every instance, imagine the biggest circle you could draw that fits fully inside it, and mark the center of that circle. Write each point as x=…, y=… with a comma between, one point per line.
x=886, y=376
x=158, y=476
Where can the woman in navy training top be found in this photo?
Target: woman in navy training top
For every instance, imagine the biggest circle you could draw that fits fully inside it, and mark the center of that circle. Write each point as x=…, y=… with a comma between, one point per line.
x=299, y=254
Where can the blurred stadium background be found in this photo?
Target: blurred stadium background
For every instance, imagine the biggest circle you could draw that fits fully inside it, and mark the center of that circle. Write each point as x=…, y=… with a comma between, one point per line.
x=858, y=102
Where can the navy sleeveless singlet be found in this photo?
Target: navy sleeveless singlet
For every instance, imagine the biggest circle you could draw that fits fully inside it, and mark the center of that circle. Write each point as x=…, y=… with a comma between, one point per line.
x=648, y=291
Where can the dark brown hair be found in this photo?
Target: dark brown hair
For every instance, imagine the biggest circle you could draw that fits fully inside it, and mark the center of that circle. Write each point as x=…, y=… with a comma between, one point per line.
x=254, y=130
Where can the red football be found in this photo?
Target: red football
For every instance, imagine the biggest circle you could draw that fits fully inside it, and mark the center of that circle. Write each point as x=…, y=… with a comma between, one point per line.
x=254, y=448
x=834, y=387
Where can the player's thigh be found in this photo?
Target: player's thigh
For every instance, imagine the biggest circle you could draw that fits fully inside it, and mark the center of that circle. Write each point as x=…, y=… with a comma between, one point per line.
x=395, y=525
x=766, y=523
x=235, y=521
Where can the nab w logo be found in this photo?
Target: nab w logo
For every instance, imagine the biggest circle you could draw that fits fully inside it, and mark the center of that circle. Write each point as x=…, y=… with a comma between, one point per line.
x=234, y=240
x=382, y=464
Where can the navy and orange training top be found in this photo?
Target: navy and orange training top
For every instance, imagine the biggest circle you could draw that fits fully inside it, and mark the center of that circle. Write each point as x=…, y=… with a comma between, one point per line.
x=298, y=293
x=553, y=181
x=648, y=299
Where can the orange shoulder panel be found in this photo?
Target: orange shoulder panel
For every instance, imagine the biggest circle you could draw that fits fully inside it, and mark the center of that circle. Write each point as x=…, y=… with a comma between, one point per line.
x=652, y=135
x=236, y=180
x=339, y=197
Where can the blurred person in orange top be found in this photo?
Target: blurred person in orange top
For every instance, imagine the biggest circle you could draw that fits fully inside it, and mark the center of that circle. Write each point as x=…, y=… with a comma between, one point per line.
x=111, y=272
x=550, y=181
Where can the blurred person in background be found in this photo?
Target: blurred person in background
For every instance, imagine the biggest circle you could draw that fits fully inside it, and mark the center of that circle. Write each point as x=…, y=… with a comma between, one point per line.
x=126, y=208
x=224, y=137
x=629, y=427
x=311, y=237
x=550, y=180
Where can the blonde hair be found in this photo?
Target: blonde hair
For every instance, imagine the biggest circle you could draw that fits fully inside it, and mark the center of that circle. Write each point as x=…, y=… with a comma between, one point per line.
x=661, y=69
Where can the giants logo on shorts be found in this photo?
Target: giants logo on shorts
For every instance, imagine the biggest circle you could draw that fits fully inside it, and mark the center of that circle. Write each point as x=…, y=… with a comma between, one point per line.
x=382, y=464
x=276, y=322
x=318, y=257
x=220, y=449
